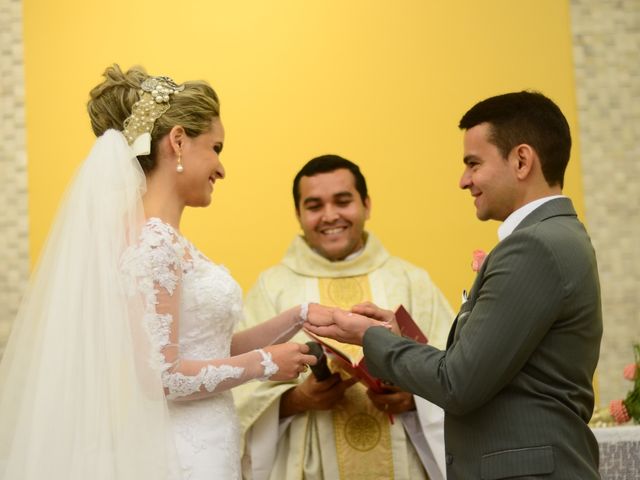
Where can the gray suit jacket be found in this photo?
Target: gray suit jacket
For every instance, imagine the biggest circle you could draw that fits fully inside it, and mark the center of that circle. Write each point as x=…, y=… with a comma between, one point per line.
x=516, y=378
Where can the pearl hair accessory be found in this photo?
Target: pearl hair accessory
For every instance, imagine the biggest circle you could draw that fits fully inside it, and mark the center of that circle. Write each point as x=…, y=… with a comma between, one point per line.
x=155, y=93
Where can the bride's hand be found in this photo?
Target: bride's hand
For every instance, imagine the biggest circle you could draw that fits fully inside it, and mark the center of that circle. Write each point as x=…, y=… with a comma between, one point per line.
x=319, y=314
x=291, y=358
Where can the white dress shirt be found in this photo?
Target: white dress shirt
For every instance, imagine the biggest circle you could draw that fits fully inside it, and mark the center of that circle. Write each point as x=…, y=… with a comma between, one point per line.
x=513, y=220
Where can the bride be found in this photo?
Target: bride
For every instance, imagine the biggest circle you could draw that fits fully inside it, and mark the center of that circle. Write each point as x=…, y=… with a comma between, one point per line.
x=122, y=357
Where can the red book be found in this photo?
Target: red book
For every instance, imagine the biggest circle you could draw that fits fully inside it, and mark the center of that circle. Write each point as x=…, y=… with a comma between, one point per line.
x=409, y=328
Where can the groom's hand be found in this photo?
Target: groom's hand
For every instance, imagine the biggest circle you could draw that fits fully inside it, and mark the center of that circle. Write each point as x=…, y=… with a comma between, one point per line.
x=371, y=310
x=346, y=327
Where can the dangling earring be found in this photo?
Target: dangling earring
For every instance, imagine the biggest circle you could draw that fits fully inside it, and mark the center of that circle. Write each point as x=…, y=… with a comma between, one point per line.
x=179, y=167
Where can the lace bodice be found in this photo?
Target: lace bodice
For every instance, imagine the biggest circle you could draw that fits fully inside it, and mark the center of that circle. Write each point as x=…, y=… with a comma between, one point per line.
x=191, y=309
x=210, y=309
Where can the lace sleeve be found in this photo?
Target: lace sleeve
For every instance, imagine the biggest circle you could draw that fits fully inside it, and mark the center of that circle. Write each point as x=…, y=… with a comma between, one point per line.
x=155, y=270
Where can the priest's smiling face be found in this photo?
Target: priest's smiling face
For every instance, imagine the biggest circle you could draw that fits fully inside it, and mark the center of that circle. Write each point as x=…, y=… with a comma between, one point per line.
x=332, y=214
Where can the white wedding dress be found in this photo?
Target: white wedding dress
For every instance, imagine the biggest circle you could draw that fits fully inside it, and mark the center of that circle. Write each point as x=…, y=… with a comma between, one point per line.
x=122, y=356
x=175, y=278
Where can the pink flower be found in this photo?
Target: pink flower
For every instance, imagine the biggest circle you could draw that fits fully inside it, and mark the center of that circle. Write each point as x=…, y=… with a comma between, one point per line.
x=630, y=371
x=619, y=411
x=477, y=259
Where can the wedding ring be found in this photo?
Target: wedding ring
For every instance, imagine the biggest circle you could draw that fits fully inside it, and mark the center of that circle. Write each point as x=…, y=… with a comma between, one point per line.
x=305, y=367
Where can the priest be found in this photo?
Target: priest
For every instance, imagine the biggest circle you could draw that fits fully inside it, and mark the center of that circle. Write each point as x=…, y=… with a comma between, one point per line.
x=337, y=427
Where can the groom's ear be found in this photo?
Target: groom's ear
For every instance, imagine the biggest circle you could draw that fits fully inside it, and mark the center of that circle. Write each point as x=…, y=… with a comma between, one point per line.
x=524, y=158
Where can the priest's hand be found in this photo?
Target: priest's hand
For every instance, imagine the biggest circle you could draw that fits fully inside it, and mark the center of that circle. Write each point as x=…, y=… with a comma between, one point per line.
x=312, y=394
x=346, y=327
x=393, y=400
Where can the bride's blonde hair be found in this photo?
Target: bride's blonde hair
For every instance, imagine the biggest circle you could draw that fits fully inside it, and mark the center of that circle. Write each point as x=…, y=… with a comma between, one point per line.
x=111, y=102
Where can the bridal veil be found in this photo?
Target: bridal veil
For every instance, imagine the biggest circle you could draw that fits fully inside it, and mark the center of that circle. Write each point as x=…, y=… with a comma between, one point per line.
x=79, y=398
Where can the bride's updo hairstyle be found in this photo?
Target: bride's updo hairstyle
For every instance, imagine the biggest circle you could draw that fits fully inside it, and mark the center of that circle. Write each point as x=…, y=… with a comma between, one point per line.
x=192, y=105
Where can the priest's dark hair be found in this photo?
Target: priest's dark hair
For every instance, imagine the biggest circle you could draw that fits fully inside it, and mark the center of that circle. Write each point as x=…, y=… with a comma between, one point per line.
x=326, y=164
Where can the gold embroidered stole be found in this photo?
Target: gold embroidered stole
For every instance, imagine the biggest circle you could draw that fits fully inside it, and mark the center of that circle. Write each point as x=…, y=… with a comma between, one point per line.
x=362, y=432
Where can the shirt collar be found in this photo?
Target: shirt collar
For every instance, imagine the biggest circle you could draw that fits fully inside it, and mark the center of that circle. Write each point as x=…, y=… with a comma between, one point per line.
x=513, y=220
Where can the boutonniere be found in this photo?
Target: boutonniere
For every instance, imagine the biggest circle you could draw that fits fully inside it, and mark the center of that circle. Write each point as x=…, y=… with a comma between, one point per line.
x=477, y=258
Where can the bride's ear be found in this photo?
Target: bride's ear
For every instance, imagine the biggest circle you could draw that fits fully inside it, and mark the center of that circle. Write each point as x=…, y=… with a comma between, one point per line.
x=176, y=137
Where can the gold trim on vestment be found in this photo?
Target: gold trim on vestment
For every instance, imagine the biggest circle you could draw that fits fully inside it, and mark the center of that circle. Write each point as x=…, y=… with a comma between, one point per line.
x=362, y=432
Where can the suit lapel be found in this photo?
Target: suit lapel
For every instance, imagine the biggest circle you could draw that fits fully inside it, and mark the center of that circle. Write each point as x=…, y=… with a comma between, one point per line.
x=466, y=307
x=552, y=208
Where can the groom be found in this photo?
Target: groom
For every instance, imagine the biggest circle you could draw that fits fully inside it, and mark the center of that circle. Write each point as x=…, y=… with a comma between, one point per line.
x=515, y=380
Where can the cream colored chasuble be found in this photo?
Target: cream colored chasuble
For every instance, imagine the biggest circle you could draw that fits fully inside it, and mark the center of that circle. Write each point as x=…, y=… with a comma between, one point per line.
x=363, y=440
x=355, y=441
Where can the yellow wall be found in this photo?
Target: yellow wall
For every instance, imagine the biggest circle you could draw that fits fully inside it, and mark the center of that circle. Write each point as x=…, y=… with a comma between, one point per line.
x=382, y=83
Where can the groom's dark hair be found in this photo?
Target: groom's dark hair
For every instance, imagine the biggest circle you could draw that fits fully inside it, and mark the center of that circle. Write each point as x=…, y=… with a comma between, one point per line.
x=526, y=117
